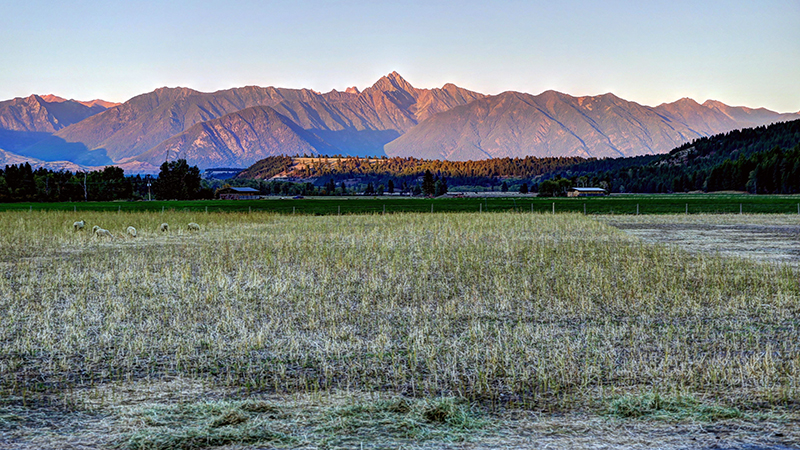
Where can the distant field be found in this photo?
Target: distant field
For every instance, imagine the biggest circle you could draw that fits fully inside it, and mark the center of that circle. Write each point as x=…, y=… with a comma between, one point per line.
x=274, y=330
x=616, y=204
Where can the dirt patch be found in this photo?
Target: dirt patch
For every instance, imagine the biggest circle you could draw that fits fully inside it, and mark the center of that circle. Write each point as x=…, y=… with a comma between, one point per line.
x=768, y=238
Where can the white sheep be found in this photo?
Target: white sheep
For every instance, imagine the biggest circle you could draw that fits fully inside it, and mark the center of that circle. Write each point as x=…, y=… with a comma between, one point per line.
x=102, y=232
x=164, y=227
x=193, y=226
x=77, y=226
x=131, y=232
x=95, y=228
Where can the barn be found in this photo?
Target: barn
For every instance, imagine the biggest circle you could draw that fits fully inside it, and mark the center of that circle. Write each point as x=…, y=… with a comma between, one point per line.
x=239, y=193
x=587, y=192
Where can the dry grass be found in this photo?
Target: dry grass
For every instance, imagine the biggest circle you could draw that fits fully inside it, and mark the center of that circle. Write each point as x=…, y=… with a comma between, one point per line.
x=543, y=312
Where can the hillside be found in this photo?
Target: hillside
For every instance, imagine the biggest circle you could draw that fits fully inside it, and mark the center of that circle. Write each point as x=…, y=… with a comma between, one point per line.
x=483, y=172
x=726, y=161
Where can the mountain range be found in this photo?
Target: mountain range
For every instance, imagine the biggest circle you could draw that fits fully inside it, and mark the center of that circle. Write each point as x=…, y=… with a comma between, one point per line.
x=237, y=127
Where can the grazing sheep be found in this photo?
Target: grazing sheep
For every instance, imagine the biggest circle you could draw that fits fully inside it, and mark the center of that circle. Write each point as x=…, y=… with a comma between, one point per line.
x=193, y=226
x=95, y=228
x=164, y=227
x=102, y=232
x=77, y=226
x=131, y=232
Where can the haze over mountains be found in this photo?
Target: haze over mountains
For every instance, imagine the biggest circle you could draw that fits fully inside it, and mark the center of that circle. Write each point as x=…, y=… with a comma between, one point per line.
x=237, y=127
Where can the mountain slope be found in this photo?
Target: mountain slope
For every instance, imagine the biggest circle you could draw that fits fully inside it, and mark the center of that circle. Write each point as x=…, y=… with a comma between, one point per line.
x=748, y=117
x=513, y=124
x=390, y=117
x=236, y=140
x=50, y=98
x=35, y=114
x=353, y=122
x=148, y=119
x=26, y=121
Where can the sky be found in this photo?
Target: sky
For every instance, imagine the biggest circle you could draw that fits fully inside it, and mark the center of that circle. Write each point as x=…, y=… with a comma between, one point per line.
x=740, y=52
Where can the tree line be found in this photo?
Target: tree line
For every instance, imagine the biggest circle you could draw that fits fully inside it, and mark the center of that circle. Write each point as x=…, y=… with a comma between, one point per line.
x=757, y=160
x=428, y=185
x=176, y=180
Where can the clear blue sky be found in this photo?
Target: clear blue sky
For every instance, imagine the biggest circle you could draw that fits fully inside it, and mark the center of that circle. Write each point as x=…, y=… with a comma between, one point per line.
x=741, y=52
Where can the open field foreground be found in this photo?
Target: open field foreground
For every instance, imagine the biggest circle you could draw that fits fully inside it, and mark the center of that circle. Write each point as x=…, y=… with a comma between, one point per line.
x=387, y=331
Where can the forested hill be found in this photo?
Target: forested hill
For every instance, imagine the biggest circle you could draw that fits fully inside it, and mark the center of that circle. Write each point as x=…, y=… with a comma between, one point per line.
x=758, y=160
x=375, y=169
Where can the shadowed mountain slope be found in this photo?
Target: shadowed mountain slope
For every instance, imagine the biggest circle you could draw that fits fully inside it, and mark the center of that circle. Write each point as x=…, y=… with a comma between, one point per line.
x=35, y=114
x=26, y=121
x=238, y=139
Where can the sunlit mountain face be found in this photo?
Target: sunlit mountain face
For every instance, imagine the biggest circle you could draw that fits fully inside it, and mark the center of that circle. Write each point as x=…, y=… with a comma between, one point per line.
x=236, y=127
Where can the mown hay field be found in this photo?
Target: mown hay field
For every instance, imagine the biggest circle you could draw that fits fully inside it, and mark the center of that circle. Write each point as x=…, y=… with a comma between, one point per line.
x=543, y=312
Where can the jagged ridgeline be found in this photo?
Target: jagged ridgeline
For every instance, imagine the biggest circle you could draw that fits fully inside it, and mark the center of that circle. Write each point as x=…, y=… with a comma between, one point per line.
x=457, y=172
x=764, y=160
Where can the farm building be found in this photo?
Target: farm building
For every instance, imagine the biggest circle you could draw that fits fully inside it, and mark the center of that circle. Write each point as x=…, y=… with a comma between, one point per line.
x=587, y=192
x=239, y=193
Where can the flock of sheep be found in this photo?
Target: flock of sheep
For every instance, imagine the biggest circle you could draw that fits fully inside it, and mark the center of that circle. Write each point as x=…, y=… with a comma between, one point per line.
x=99, y=231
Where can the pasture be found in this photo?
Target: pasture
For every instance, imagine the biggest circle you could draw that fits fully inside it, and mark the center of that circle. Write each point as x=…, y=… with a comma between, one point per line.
x=617, y=204
x=397, y=330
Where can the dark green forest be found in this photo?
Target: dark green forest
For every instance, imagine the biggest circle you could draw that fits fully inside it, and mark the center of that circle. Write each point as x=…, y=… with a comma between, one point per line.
x=761, y=160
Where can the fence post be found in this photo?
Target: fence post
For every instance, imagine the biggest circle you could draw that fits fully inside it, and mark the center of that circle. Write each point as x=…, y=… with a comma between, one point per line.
x=740, y=208
x=637, y=209
x=480, y=207
x=384, y=210
x=687, y=208
x=292, y=210
x=584, y=209
x=554, y=207
x=431, y=207
x=531, y=207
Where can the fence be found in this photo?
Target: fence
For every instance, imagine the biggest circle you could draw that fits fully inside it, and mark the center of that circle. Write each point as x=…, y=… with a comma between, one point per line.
x=653, y=204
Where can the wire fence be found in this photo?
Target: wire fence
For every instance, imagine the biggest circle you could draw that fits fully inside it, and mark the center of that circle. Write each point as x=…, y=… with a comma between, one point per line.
x=653, y=204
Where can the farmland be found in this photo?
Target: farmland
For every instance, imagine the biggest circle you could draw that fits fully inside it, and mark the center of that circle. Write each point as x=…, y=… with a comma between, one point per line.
x=488, y=202
x=416, y=329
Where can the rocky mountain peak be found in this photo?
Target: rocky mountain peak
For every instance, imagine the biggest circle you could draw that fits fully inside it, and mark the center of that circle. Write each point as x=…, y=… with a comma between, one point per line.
x=393, y=82
x=50, y=98
x=684, y=103
x=352, y=90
